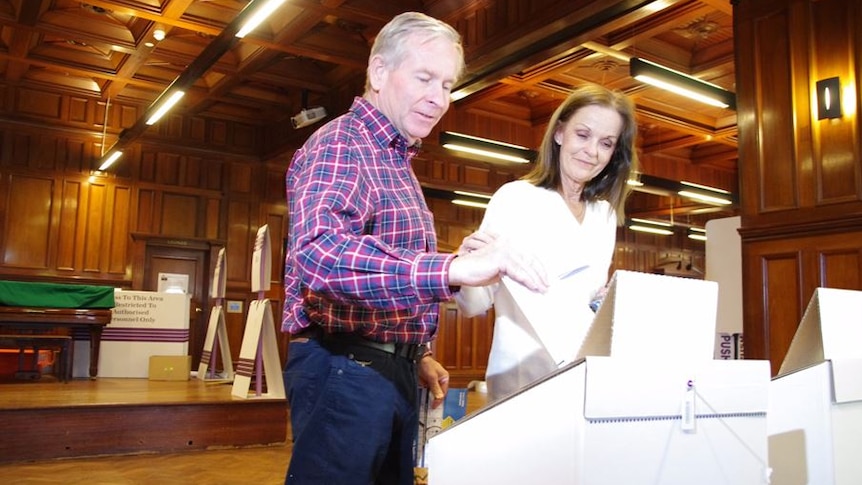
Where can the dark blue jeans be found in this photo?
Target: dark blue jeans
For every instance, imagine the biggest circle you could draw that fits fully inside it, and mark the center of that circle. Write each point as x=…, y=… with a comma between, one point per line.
x=350, y=424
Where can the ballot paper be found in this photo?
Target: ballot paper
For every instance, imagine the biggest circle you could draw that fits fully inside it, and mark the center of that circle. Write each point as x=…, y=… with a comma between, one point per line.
x=560, y=325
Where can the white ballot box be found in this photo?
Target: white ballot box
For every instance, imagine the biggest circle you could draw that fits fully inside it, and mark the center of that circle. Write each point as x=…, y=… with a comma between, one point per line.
x=815, y=411
x=644, y=402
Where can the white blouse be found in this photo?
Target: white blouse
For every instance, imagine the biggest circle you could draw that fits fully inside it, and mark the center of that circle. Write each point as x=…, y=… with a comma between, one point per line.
x=539, y=221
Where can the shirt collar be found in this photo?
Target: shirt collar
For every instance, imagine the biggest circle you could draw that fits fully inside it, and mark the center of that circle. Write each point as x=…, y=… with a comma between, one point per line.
x=383, y=131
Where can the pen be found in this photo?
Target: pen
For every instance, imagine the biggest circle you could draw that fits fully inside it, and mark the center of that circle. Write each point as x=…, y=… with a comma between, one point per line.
x=573, y=272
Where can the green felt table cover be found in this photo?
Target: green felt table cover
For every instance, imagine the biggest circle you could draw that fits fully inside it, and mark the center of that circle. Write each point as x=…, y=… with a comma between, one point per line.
x=55, y=295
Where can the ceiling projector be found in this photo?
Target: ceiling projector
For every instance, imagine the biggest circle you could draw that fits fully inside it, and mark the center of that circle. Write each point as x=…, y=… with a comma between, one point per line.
x=308, y=116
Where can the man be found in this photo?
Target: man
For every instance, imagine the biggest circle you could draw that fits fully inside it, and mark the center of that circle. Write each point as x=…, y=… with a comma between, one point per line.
x=362, y=276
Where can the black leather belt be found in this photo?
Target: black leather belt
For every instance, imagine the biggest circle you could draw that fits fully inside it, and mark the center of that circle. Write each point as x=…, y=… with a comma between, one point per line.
x=341, y=343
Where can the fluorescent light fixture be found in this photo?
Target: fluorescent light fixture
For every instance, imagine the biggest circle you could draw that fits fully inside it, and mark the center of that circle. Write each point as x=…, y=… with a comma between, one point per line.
x=697, y=233
x=650, y=229
x=709, y=199
x=484, y=147
x=653, y=222
x=473, y=194
x=111, y=158
x=458, y=95
x=470, y=203
x=259, y=16
x=705, y=193
x=682, y=84
x=165, y=107
x=705, y=187
x=662, y=228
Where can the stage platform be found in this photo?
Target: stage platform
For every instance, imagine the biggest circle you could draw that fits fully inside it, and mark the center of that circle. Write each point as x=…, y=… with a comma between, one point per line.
x=48, y=419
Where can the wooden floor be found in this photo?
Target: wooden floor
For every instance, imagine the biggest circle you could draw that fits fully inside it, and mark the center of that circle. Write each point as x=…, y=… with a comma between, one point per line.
x=259, y=465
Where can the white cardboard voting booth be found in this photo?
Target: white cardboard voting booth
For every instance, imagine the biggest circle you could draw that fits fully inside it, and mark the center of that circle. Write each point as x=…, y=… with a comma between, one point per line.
x=143, y=324
x=258, y=355
x=815, y=412
x=642, y=402
x=216, y=342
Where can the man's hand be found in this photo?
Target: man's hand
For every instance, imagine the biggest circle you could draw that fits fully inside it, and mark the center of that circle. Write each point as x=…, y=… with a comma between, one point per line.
x=433, y=376
x=485, y=258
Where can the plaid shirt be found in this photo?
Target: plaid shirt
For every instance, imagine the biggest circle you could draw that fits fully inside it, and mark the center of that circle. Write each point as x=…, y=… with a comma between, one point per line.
x=361, y=253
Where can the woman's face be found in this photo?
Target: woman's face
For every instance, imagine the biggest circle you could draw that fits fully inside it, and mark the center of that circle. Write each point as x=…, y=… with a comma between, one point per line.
x=587, y=142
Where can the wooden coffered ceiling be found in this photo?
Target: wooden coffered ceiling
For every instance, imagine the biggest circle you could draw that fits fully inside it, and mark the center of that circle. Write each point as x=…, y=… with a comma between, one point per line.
x=523, y=56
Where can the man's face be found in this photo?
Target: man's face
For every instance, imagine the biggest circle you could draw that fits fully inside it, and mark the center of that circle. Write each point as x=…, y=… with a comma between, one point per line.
x=415, y=94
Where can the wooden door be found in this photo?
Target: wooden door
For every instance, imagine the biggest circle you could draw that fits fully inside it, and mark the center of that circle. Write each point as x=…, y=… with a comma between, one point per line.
x=191, y=262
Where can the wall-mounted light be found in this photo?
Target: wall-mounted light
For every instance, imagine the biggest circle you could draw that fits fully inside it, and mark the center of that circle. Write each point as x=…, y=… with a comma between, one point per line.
x=828, y=98
x=484, y=147
x=682, y=84
x=259, y=16
x=163, y=108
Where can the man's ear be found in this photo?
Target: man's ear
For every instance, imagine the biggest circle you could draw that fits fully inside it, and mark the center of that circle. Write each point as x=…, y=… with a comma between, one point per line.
x=377, y=72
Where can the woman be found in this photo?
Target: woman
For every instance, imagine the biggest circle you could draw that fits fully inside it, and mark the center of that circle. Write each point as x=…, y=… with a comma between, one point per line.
x=566, y=211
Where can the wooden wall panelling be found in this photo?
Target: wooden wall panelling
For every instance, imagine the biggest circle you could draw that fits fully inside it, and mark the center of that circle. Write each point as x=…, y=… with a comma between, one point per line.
x=275, y=216
x=69, y=237
x=462, y=344
x=214, y=229
x=767, y=140
x=801, y=178
x=117, y=236
x=239, y=240
x=145, y=220
x=181, y=215
x=837, y=175
x=94, y=215
x=781, y=276
x=27, y=228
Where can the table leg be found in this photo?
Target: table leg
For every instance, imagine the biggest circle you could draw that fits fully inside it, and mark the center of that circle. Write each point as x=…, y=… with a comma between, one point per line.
x=95, y=343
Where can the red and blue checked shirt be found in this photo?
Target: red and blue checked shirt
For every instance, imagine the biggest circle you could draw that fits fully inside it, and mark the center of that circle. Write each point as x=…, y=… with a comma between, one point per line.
x=361, y=253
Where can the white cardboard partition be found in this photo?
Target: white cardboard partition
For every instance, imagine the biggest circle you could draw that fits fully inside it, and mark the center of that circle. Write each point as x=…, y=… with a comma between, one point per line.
x=258, y=355
x=647, y=404
x=216, y=342
x=143, y=324
x=815, y=412
x=615, y=421
x=650, y=316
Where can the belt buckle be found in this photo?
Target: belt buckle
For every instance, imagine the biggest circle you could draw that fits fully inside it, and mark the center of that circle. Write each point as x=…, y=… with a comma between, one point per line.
x=407, y=351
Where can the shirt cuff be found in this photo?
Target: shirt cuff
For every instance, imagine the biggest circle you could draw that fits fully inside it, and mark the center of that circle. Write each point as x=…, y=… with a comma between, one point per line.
x=431, y=276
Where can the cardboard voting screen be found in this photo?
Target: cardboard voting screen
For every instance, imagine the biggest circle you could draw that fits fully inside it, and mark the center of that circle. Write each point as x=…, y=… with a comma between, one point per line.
x=219, y=275
x=261, y=261
x=653, y=316
x=831, y=329
x=815, y=411
x=607, y=420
